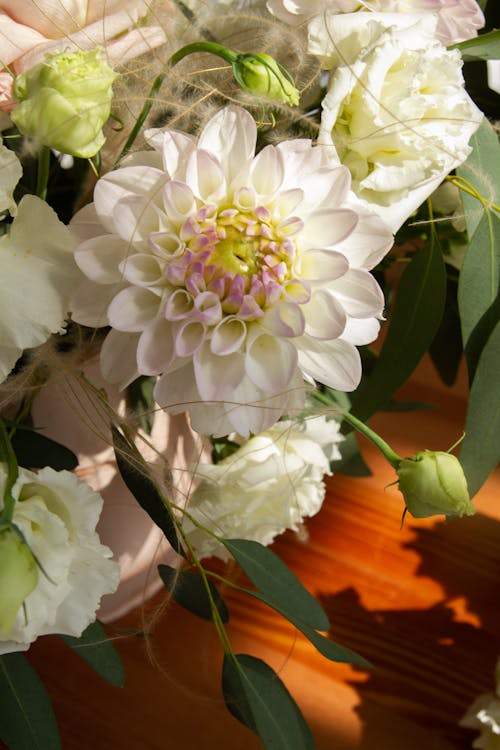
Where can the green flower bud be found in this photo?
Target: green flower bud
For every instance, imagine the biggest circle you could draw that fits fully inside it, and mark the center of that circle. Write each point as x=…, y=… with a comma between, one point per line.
x=18, y=577
x=260, y=74
x=65, y=101
x=433, y=482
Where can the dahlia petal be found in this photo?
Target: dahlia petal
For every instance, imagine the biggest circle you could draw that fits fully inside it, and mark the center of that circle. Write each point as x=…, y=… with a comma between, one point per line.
x=135, y=218
x=325, y=317
x=287, y=201
x=208, y=308
x=142, y=270
x=175, y=148
x=370, y=241
x=268, y=171
x=89, y=305
x=178, y=200
x=85, y=224
x=285, y=319
x=125, y=183
x=176, y=391
x=99, y=258
x=360, y=331
x=118, y=358
x=204, y=174
x=217, y=377
x=270, y=363
x=228, y=336
x=359, y=294
x=166, y=245
x=179, y=305
x=231, y=135
x=335, y=363
x=321, y=265
x=155, y=349
x=132, y=309
x=327, y=227
x=189, y=337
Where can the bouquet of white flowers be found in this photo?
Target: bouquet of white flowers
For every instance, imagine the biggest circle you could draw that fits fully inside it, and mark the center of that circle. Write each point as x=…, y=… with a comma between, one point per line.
x=197, y=233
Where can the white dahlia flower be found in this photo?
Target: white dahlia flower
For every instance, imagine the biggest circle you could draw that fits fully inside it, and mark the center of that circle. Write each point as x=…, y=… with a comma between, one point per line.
x=230, y=274
x=270, y=484
x=457, y=20
x=57, y=515
x=396, y=109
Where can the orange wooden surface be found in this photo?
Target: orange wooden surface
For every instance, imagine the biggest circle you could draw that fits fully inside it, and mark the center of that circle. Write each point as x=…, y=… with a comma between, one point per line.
x=421, y=603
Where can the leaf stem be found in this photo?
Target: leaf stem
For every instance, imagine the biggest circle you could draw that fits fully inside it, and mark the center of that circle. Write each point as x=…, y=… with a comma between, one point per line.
x=391, y=456
x=42, y=179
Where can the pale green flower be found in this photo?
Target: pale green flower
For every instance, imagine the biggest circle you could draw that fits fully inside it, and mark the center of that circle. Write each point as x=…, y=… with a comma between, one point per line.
x=18, y=577
x=260, y=74
x=65, y=101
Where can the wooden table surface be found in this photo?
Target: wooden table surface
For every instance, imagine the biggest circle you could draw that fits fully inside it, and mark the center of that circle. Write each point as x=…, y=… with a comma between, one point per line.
x=420, y=603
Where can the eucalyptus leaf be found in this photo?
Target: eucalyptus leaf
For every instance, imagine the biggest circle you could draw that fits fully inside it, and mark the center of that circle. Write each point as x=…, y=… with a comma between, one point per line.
x=188, y=589
x=27, y=721
x=481, y=170
x=479, y=288
x=480, y=449
x=482, y=47
x=256, y=696
x=140, y=400
x=34, y=451
x=328, y=648
x=446, y=350
x=275, y=582
x=352, y=463
x=98, y=651
x=415, y=318
x=142, y=487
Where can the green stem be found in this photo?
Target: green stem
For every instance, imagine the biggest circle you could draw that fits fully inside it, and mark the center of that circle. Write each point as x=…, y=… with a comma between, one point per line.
x=43, y=172
x=10, y=459
x=383, y=447
x=212, y=48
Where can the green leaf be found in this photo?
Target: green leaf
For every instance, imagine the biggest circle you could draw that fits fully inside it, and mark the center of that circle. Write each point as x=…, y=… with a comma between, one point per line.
x=276, y=583
x=415, y=318
x=140, y=400
x=480, y=449
x=482, y=47
x=98, y=651
x=328, y=648
x=256, y=696
x=27, y=721
x=479, y=288
x=34, y=451
x=446, y=349
x=188, y=589
x=352, y=463
x=481, y=170
x=142, y=487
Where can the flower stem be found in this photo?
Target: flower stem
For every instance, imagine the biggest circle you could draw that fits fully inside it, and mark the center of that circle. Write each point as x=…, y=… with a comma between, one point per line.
x=43, y=172
x=212, y=48
x=383, y=447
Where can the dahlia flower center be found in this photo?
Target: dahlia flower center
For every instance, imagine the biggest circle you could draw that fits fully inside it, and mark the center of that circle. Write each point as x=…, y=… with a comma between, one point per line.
x=242, y=256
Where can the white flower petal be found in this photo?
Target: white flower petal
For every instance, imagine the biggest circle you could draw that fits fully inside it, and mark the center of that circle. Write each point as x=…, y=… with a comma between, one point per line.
x=118, y=358
x=325, y=316
x=361, y=331
x=267, y=171
x=217, y=377
x=228, y=336
x=189, y=337
x=99, y=258
x=204, y=174
x=285, y=319
x=128, y=182
x=132, y=309
x=327, y=227
x=179, y=201
x=270, y=363
x=321, y=265
x=335, y=363
x=155, y=349
x=231, y=136
x=135, y=217
x=359, y=294
x=142, y=270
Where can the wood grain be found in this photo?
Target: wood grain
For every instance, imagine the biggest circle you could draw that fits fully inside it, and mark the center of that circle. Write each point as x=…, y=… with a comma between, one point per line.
x=420, y=602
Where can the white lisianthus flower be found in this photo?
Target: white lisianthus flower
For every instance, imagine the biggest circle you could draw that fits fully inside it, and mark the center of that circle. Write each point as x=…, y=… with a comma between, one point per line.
x=270, y=484
x=396, y=110
x=484, y=715
x=37, y=277
x=230, y=274
x=10, y=173
x=57, y=515
x=457, y=20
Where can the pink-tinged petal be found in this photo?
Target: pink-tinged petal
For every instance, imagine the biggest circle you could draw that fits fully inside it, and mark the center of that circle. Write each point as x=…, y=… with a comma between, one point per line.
x=133, y=309
x=369, y=243
x=155, y=350
x=270, y=362
x=179, y=305
x=136, y=42
x=361, y=331
x=124, y=183
x=16, y=38
x=217, y=377
x=189, y=337
x=335, y=363
x=359, y=294
x=328, y=227
x=178, y=200
x=267, y=171
x=325, y=317
x=100, y=257
x=175, y=148
x=231, y=136
x=285, y=319
x=321, y=265
x=297, y=291
x=89, y=305
x=207, y=308
x=204, y=174
x=228, y=336
x=118, y=358
x=135, y=218
x=165, y=245
x=290, y=226
x=142, y=270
